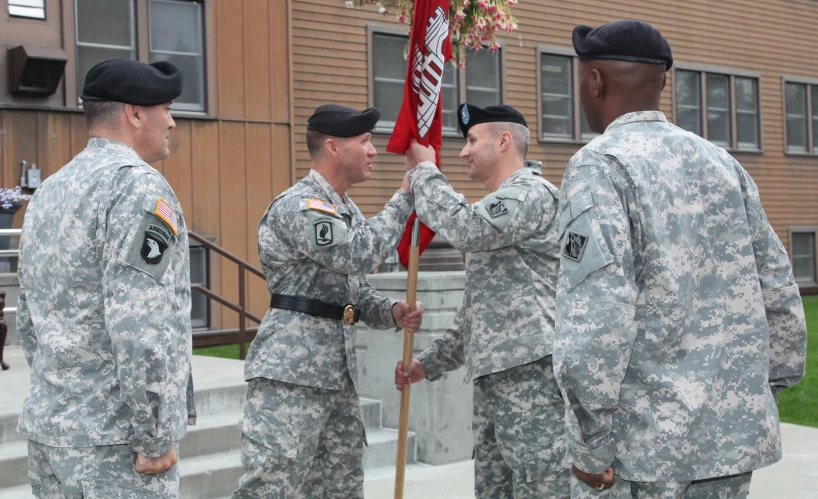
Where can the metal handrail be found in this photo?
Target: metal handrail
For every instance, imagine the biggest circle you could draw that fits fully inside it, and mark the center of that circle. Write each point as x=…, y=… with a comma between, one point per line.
x=10, y=232
x=241, y=308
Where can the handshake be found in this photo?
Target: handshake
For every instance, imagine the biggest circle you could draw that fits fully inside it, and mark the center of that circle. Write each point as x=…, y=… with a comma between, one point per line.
x=416, y=154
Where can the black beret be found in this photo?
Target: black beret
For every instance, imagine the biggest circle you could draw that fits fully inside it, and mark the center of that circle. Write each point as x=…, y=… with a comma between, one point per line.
x=632, y=41
x=342, y=121
x=133, y=82
x=469, y=115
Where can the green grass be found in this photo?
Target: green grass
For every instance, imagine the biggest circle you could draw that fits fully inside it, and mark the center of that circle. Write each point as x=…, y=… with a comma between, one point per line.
x=225, y=351
x=799, y=404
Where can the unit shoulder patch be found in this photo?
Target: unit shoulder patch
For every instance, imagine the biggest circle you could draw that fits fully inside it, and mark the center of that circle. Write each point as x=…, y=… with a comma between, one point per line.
x=323, y=232
x=574, y=246
x=497, y=208
x=156, y=242
x=317, y=204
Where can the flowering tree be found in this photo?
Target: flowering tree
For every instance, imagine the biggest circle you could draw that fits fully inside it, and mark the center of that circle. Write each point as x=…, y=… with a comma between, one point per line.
x=473, y=23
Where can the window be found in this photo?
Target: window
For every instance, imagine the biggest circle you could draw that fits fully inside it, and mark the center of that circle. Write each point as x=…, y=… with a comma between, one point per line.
x=803, y=255
x=34, y=9
x=176, y=36
x=801, y=102
x=559, y=101
x=105, y=30
x=720, y=107
x=200, y=304
x=480, y=83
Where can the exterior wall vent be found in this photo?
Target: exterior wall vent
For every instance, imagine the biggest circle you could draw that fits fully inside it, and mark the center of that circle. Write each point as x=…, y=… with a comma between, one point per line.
x=35, y=70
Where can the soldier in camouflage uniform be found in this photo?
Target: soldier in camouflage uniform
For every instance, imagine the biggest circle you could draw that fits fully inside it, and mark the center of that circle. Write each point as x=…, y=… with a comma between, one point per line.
x=302, y=430
x=678, y=318
x=104, y=308
x=503, y=332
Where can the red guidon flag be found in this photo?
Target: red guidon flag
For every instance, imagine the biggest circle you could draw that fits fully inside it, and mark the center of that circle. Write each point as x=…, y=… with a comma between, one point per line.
x=430, y=47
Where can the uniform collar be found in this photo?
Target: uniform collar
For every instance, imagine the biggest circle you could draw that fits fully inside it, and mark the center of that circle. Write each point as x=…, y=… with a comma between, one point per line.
x=637, y=117
x=114, y=145
x=328, y=190
x=514, y=176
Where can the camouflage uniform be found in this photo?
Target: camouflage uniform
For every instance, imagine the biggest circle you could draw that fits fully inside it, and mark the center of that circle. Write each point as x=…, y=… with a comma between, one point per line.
x=678, y=318
x=302, y=426
x=104, y=318
x=503, y=333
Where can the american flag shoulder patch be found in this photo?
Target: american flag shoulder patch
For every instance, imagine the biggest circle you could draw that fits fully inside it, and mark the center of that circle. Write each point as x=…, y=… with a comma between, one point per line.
x=165, y=213
x=317, y=204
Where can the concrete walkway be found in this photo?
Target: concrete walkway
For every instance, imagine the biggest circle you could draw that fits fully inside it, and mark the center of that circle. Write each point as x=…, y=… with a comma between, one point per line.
x=794, y=477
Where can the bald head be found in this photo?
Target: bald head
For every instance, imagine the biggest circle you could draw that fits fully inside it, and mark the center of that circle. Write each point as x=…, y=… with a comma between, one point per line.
x=611, y=88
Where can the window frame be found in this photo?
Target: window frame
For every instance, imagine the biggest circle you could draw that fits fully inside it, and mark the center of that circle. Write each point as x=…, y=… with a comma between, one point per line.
x=208, y=302
x=812, y=147
x=805, y=229
x=731, y=74
x=142, y=33
x=30, y=18
x=372, y=29
x=576, y=104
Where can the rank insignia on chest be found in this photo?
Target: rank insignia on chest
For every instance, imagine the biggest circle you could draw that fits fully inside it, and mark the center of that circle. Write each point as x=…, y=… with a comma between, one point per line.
x=165, y=213
x=156, y=242
x=497, y=209
x=323, y=233
x=574, y=246
x=317, y=204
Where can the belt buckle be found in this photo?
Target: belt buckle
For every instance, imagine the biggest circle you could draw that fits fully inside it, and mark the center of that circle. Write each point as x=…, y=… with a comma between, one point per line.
x=349, y=315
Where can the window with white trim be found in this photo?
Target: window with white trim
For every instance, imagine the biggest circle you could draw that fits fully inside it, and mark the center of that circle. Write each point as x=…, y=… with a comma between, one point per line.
x=559, y=100
x=106, y=29
x=199, y=274
x=801, y=103
x=721, y=107
x=802, y=247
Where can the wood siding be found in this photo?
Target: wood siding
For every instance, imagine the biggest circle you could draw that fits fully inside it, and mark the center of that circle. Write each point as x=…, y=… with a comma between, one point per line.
x=225, y=168
x=773, y=37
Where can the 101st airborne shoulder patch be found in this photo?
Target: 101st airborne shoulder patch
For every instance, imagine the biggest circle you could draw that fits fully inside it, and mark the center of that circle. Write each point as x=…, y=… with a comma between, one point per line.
x=156, y=242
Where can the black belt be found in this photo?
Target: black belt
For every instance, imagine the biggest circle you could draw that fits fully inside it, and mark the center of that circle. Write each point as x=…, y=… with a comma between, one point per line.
x=347, y=313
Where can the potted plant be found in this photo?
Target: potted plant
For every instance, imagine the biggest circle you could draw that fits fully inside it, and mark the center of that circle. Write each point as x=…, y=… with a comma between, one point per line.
x=11, y=200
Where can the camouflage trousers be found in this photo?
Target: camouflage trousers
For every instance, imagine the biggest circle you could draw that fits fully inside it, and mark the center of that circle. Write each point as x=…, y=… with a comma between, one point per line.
x=104, y=472
x=728, y=487
x=301, y=442
x=519, y=434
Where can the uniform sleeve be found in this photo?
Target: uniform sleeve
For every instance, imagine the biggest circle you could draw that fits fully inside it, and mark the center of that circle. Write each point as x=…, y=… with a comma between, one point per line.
x=596, y=294
x=376, y=308
x=325, y=237
x=782, y=299
x=138, y=298
x=25, y=328
x=503, y=218
x=446, y=353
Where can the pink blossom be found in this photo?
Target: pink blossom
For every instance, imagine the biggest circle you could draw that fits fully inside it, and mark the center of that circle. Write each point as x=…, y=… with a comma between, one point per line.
x=466, y=4
x=483, y=4
x=480, y=25
x=401, y=19
x=459, y=15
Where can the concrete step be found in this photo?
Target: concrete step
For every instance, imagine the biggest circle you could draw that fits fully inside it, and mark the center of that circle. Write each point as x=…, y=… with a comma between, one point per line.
x=383, y=448
x=371, y=412
x=13, y=464
x=206, y=477
x=19, y=492
x=212, y=435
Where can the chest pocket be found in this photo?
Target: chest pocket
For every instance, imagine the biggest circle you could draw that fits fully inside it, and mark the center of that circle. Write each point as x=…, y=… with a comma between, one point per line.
x=583, y=249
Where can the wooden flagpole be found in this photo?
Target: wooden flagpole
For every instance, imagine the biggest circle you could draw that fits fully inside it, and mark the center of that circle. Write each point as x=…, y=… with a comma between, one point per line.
x=408, y=350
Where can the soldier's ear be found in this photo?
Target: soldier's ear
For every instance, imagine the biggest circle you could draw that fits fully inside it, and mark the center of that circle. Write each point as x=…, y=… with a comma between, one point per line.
x=332, y=146
x=597, y=83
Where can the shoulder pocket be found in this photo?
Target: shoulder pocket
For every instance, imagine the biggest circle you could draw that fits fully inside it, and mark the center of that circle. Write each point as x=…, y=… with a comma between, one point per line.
x=583, y=249
x=499, y=208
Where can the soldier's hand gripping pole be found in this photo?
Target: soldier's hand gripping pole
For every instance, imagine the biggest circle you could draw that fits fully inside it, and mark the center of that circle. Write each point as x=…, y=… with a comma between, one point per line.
x=408, y=349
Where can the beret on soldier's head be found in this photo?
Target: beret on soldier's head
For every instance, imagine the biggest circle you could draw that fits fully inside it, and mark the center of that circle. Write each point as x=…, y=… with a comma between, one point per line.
x=342, y=121
x=469, y=115
x=632, y=41
x=133, y=82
